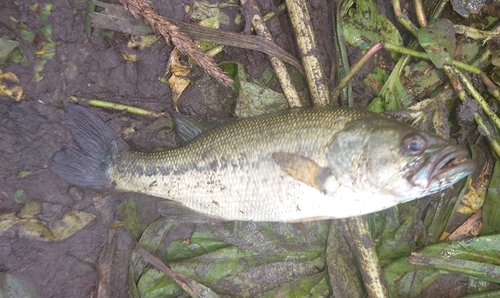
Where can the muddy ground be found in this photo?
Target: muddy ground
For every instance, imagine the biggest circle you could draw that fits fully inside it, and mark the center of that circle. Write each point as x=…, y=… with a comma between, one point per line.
x=32, y=131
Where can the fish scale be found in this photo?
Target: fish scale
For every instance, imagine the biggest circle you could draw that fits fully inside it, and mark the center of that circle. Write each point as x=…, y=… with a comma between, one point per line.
x=206, y=174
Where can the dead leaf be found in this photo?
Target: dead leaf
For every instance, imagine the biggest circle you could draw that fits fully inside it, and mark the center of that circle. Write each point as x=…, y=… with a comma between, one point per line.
x=72, y=221
x=470, y=228
x=178, y=81
x=10, y=86
x=129, y=57
x=142, y=42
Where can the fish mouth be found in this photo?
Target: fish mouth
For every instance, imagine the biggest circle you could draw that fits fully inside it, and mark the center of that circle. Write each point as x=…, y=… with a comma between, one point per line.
x=450, y=162
x=443, y=168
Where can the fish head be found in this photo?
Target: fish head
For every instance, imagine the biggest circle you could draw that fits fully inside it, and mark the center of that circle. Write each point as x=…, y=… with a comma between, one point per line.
x=387, y=157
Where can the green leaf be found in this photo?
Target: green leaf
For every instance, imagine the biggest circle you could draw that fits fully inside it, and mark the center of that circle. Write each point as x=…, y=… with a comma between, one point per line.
x=395, y=240
x=155, y=233
x=438, y=213
x=129, y=213
x=420, y=76
x=491, y=208
x=392, y=95
x=43, y=55
x=201, y=10
x=46, y=31
x=26, y=34
x=404, y=280
x=485, y=249
x=199, y=244
x=477, y=257
x=248, y=276
x=484, y=271
x=6, y=47
x=154, y=283
x=45, y=12
x=438, y=40
x=17, y=56
x=364, y=26
x=253, y=98
x=19, y=196
x=151, y=239
x=240, y=258
x=313, y=286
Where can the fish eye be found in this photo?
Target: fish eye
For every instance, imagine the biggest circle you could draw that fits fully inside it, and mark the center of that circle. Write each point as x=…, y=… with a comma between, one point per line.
x=414, y=144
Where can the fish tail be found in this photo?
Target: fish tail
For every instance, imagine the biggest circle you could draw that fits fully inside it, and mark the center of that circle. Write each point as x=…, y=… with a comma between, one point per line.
x=86, y=160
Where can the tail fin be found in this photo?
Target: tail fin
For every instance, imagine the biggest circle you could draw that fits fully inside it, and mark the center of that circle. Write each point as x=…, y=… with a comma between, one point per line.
x=86, y=160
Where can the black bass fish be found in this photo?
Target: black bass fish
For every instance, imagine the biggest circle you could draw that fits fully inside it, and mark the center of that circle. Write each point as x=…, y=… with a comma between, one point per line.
x=292, y=166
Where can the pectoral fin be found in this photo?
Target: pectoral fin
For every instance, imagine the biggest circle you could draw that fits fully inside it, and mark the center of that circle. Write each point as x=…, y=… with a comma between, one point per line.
x=302, y=168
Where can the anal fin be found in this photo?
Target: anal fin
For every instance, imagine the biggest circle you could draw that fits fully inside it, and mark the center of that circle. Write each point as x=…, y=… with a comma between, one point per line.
x=175, y=211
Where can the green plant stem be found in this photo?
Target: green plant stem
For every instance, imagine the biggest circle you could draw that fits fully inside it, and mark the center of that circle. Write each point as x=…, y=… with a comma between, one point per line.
x=493, y=89
x=116, y=106
x=403, y=18
x=460, y=90
x=438, y=10
x=369, y=53
x=420, y=12
x=483, y=271
x=482, y=102
x=343, y=59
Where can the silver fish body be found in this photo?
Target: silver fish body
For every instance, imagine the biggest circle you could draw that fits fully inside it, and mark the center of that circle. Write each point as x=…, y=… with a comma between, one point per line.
x=292, y=166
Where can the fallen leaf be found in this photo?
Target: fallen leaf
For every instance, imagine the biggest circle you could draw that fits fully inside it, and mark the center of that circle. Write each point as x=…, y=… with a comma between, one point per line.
x=72, y=221
x=6, y=46
x=10, y=86
x=471, y=227
x=178, y=81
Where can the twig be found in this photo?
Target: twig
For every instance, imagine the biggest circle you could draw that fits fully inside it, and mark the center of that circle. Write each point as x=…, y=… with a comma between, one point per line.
x=116, y=18
x=301, y=22
x=160, y=25
x=194, y=289
x=279, y=67
x=364, y=249
x=357, y=67
x=105, y=266
x=344, y=280
x=116, y=106
x=420, y=12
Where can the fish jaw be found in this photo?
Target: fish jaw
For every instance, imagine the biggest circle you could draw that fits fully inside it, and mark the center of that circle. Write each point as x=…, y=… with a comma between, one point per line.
x=442, y=169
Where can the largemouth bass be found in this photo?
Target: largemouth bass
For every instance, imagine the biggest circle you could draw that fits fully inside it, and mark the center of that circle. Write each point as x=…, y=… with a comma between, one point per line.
x=292, y=166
